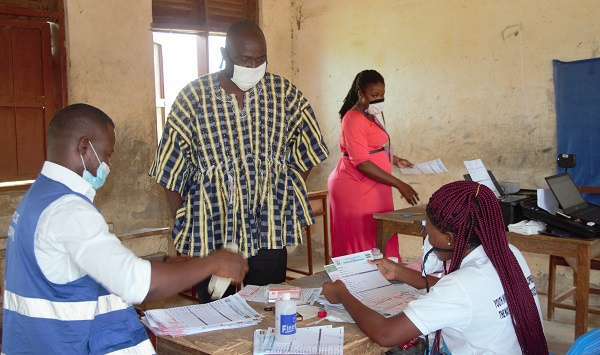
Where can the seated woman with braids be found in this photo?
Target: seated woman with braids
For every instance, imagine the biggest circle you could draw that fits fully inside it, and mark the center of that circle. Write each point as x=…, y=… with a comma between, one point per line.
x=486, y=303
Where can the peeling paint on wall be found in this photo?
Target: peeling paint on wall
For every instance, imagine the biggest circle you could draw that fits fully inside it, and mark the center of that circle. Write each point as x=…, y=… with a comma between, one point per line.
x=511, y=31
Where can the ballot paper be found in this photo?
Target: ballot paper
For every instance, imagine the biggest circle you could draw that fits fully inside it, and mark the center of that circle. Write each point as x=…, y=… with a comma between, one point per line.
x=368, y=285
x=431, y=167
x=324, y=340
x=226, y=313
x=255, y=293
x=480, y=174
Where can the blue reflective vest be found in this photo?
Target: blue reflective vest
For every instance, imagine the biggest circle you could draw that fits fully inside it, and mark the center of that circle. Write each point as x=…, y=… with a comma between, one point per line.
x=41, y=317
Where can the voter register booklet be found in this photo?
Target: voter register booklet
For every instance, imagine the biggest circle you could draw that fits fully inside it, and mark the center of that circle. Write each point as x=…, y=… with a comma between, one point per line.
x=369, y=286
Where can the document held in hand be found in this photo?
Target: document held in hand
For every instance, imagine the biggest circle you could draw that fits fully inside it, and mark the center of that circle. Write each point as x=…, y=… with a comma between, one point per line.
x=368, y=285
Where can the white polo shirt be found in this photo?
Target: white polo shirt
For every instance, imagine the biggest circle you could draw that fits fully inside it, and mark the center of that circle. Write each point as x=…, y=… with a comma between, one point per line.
x=470, y=308
x=72, y=240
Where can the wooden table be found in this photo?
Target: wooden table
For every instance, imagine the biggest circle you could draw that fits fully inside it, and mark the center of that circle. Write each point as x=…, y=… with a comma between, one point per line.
x=582, y=251
x=239, y=341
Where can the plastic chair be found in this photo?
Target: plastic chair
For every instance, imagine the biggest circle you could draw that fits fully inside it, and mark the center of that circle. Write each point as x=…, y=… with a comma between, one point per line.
x=588, y=343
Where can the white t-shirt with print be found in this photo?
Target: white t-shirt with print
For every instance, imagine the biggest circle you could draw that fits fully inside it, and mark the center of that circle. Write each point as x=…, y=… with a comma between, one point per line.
x=470, y=307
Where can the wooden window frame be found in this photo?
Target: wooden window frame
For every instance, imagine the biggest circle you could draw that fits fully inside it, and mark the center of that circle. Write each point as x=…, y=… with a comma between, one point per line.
x=201, y=15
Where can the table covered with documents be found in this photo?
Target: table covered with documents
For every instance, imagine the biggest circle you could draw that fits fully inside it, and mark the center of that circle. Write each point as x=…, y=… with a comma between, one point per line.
x=244, y=322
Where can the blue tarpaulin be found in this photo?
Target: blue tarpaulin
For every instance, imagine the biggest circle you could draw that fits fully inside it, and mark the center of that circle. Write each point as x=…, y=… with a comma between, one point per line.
x=577, y=94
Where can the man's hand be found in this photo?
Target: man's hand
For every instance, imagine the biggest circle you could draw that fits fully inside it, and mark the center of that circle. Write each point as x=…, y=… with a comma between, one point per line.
x=334, y=290
x=387, y=268
x=229, y=265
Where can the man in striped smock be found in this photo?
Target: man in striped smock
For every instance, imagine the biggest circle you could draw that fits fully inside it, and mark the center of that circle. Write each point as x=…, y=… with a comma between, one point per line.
x=235, y=151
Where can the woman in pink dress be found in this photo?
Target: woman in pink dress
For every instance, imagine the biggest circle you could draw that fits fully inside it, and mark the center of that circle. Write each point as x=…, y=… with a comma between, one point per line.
x=361, y=183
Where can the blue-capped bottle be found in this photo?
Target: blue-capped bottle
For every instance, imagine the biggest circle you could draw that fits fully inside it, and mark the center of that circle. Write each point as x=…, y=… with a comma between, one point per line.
x=285, y=319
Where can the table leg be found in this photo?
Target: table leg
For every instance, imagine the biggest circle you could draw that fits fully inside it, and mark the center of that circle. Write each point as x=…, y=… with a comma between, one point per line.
x=551, y=286
x=326, y=229
x=383, y=234
x=582, y=295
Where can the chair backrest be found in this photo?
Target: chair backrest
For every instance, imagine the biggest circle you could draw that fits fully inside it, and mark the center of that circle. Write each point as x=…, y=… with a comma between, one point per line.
x=588, y=343
x=589, y=189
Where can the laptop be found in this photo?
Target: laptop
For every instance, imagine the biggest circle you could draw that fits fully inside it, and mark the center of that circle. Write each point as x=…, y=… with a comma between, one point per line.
x=570, y=199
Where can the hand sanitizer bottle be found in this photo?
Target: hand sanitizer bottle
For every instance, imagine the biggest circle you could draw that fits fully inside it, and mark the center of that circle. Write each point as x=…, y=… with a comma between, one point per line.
x=218, y=285
x=285, y=319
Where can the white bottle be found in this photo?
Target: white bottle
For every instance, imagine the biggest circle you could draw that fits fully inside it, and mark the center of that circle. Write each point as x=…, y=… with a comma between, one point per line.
x=218, y=285
x=285, y=319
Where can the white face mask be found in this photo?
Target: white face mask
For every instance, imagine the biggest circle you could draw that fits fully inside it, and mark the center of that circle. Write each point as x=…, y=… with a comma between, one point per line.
x=375, y=107
x=429, y=260
x=247, y=78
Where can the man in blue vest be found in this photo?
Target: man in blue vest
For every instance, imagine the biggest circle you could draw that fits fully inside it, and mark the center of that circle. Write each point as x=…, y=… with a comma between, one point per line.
x=70, y=283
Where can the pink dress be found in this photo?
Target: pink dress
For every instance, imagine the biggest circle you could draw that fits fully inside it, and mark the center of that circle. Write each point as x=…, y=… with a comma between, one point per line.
x=353, y=197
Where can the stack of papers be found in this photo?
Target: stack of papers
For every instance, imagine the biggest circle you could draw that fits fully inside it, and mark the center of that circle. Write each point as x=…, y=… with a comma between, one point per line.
x=259, y=294
x=368, y=285
x=431, y=167
x=227, y=313
x=480, y=174
x=311, y=340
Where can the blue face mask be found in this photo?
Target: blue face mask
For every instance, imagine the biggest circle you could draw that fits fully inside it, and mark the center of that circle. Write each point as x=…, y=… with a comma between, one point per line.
x=101, y=173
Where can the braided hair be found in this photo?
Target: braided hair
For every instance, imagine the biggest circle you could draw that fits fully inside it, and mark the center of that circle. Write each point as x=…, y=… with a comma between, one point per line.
x=472, y=213
x=361, y=81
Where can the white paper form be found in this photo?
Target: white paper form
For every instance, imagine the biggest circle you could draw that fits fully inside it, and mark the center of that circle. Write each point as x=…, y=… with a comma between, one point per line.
x=431, y=167
x=547, y=201
x=389, y=300
x=311, y=340
x=357, y=273
x=229, y=312
x=368, y=285
x=333, y=272
x=480, y=174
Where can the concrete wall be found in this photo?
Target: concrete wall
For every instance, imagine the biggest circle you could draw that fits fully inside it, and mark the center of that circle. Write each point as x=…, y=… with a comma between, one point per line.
x=110, y=61
x=464, y=80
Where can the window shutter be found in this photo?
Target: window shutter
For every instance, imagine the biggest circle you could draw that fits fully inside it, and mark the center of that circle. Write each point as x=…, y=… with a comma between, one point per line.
x=26, y=97
x=32, y=85
x=201, y=15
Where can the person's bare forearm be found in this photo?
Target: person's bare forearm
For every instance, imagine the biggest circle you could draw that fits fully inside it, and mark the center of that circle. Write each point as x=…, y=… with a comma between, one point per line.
x=384, y=331
x=168, y=279
x=305, y=174
x=369, y=321
x=175, y=200
x=372, y=171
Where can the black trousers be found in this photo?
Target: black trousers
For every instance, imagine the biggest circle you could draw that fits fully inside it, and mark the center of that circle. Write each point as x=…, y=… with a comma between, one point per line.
x=268, y=266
